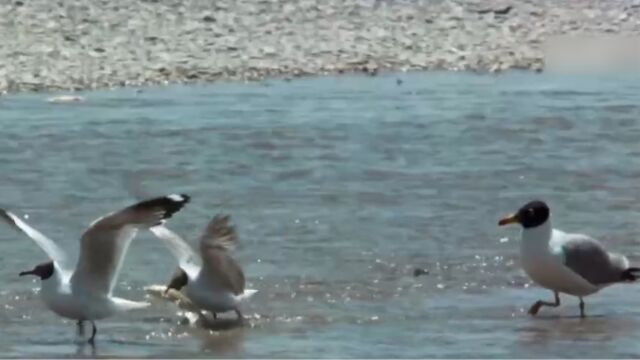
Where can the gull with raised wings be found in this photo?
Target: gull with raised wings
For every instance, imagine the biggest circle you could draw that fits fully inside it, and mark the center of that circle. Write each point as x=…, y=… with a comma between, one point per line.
x=85, y=293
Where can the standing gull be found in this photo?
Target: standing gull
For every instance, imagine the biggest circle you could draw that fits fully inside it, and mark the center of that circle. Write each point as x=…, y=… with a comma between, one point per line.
x=567, y=263
x=216, y=286
x=85, y=294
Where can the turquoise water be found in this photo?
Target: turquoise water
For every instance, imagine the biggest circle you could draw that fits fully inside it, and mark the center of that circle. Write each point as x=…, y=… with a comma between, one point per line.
x=339, y=187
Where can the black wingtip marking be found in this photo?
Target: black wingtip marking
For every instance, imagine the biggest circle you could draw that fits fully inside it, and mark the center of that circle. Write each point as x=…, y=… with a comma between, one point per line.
x=173, y=203
x=4, y=214
x=628, y=275
x=170, y=204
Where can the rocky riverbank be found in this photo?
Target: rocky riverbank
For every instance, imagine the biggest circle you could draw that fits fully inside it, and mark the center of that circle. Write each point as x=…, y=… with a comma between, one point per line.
x=81, y=44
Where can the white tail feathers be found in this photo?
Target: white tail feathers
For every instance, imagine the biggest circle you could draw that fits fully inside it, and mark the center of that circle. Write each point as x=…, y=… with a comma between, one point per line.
x=127, y=305
x=246, y=294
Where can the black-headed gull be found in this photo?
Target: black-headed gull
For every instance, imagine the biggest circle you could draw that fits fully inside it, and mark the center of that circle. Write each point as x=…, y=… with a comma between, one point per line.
x=573, y=264
x=219, y=284
x=85, y=294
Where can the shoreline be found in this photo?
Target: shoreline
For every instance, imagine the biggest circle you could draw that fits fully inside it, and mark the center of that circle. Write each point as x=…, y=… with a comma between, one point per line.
x=56, y=91
x=92, y=44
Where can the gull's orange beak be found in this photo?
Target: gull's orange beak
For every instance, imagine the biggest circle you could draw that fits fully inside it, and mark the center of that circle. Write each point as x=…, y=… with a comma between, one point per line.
x=511, y=219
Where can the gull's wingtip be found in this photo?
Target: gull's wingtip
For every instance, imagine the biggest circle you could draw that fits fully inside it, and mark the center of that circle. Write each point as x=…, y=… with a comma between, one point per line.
x=630, y=274
x=9, y=218
x=180, y=198
x=162, y=208
x=6, y=215
x=173, y=203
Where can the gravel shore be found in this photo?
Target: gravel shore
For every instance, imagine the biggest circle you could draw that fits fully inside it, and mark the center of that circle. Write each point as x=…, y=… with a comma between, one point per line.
x=84, y=44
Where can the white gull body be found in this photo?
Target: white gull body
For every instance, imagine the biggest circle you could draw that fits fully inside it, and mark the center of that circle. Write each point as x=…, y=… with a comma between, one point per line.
x=218, y=285
x=573, y=264
x=85, y=293
x=543, y=259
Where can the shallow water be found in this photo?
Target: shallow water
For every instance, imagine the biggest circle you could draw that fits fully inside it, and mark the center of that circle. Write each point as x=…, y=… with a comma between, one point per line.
x=339, y=187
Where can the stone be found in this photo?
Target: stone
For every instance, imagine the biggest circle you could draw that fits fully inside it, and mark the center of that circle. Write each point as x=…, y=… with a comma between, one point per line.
x=419, y=272
x=63, y=45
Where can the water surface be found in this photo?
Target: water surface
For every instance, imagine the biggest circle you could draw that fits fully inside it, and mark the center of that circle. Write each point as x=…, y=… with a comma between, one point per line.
x=339, y=187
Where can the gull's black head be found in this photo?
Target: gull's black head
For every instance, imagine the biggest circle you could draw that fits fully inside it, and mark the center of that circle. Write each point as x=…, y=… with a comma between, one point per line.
x=530, y=215
x=44, y=271
x=178, y=281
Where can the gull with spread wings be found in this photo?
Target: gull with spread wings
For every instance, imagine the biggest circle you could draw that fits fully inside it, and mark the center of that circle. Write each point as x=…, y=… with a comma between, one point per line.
x=85, y=293
x=218, y=285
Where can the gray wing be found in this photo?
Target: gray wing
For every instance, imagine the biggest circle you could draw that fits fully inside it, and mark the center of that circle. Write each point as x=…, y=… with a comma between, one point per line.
x=588, y=258
x=104, y=244
x=219, y=234
x=222, y=271
x=217, y=266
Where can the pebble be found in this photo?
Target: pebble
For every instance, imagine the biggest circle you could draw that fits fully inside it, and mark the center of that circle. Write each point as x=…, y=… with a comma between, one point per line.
x=83, y=44
x=419, y=271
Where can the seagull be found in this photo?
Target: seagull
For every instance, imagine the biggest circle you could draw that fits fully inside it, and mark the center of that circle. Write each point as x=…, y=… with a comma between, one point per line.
x=573, y=264
x=85, y=294
x=216, y=286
